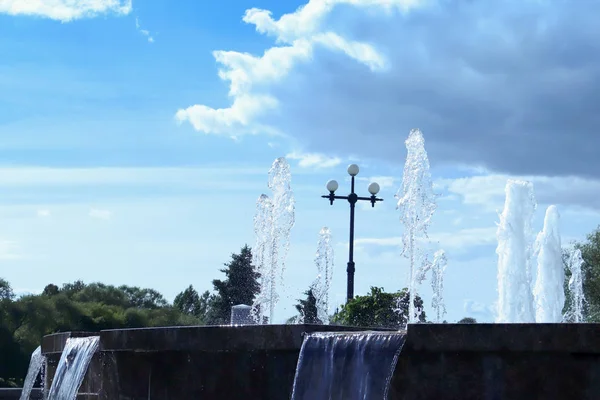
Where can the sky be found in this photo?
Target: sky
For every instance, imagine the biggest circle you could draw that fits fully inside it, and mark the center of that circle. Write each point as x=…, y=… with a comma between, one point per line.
x=135, y=137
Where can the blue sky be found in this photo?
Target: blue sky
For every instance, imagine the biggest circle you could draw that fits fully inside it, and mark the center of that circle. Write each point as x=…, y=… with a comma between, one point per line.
x=135, y=137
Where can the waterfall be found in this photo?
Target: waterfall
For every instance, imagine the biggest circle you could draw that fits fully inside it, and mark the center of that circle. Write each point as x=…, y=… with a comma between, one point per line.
x=72, y=367
x=346, y=366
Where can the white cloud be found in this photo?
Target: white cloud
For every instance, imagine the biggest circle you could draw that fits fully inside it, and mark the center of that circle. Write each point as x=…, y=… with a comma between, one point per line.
x=459, y=241
x=488, y=190
x=9, y=250
x=100, y=214
x=385, y=182
x=250, y=77
x=144, y=32
x=314, y=160
x=480, y=311
x=65, y=10
x=43, y=213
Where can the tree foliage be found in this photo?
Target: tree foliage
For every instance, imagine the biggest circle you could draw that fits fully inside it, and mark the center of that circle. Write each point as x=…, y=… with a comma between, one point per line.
x=379, y=309
x=590, y=252
x=240, y=286
x=75, y=306
x=307, y=309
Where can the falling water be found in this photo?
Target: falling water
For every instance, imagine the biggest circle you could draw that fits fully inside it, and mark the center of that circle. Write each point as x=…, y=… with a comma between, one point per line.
x=549, y=293
x=515, y=298
x=273, y=223
x=416, y=202
x=261, y=258
x=575, y=313
x=35, y=367
x=284, y=211
x=72, y=367
x=346, y=366
x=324, y=263
x=437, y=284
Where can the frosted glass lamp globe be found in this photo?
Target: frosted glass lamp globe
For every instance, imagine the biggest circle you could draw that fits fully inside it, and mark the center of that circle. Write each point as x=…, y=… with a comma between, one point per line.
x=353, y=169
x=332, y=185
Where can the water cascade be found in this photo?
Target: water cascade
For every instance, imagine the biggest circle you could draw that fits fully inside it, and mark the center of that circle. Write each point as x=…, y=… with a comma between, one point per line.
x=346, y=366
x=438, y=268
x=575, y=312
x=324, y=263
x=515, y=297
x=72, y=367
x=273, y=222
x=549, y=293
x=35, y=367
x=416, y=202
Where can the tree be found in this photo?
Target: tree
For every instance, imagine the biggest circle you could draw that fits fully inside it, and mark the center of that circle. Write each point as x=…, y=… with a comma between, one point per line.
x=467, y=320
x=51, y=290
x=380, y=309
x=6, y=292
x=189, y=302
x=239, y=287
x=590, y=251
x=307, y=308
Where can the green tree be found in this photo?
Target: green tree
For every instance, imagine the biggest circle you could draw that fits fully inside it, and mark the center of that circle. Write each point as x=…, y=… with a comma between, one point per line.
x=240, y=286
x=467, y=320
x=189, y=302
x=6, y=292
x=590, y=252
x=51, y=290
x=307, y=308
x=379, y=309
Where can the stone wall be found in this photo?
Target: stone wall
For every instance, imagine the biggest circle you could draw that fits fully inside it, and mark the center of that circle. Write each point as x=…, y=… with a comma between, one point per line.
x=446, y=361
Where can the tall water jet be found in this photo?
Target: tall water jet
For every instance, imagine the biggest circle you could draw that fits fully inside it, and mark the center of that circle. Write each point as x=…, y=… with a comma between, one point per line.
x=575, y=312
x=549, y=292
x=438, y=268
x=284, y=211
x=349, y=366
x=324, y=263
x=515, y=239
x=262, y=253
x=273, y=223
x=72, y=367
x=36, y=364
x=416, y=202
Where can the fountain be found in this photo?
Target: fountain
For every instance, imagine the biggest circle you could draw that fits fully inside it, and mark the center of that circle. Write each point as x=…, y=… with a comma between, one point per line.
x=438, y=268
x=549, y=293
x=575, y=312
x=72, y=367
x=515, y=298
x=35, y=367
x=346, y=366
x=273, y=223
x=502, y=361
x=416, y=202
x=324, y=263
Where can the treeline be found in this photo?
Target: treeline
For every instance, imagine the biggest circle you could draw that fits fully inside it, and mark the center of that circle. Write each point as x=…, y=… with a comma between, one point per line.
x=78, y=306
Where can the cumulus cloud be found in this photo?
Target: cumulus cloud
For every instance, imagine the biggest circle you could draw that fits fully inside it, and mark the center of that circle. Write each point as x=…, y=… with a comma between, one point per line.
x=100, y=214
x=511, y=86
x=480, y=311
x=488, y=190
x=314, y=160
x=65, y=10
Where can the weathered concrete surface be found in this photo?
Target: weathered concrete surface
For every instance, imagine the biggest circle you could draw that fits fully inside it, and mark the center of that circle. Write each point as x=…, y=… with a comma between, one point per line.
x=445, y=361
x=499, y=362
x=14, y=394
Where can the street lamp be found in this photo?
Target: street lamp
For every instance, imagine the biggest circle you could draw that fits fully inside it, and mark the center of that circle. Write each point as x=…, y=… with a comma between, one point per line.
x=352, y=198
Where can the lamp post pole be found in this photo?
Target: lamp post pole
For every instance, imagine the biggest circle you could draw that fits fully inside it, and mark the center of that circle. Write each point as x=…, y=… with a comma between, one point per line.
x=352, y=198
